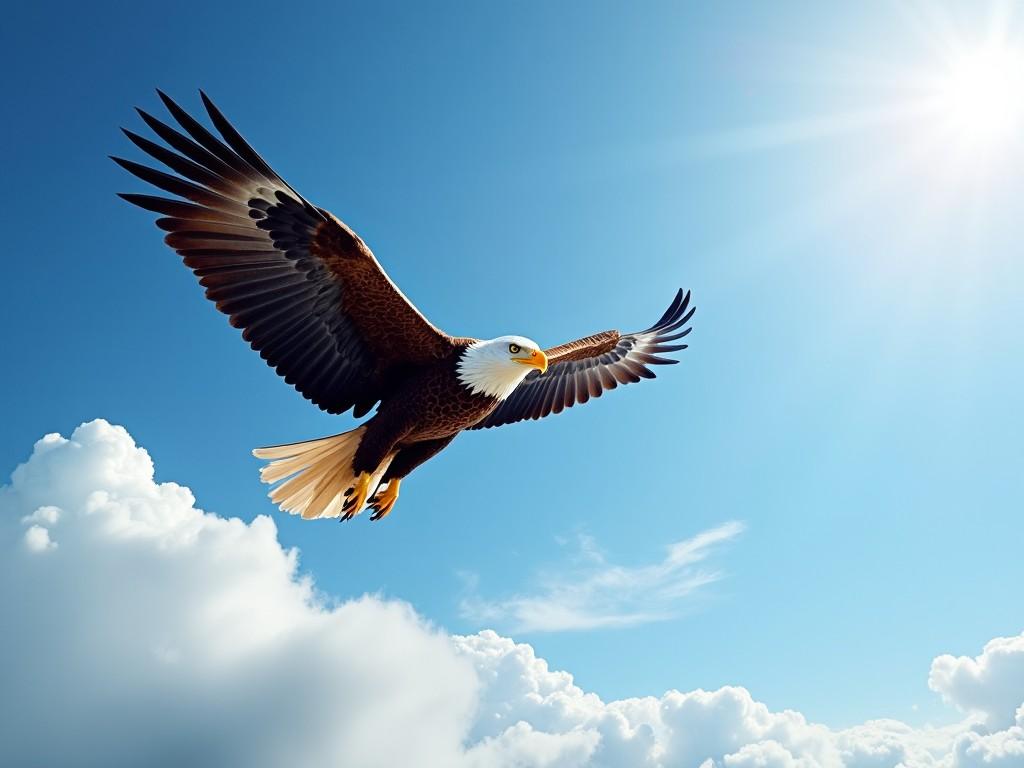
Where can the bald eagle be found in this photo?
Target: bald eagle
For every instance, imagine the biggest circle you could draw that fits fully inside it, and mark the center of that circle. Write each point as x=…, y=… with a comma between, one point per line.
x=311, y=298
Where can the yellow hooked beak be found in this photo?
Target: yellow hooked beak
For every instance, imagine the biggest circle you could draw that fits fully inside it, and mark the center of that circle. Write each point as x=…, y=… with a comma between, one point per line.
x=537, y=359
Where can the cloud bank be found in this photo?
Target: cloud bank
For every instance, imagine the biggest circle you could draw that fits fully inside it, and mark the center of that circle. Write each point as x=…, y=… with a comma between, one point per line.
x=141, y=631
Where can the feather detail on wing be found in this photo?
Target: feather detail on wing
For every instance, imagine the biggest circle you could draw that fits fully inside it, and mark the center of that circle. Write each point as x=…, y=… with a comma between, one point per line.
x=586, y=368
x=308, y=293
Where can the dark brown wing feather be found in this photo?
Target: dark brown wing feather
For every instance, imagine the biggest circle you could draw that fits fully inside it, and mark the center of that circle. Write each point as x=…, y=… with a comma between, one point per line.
x=306, y=290
x=585, y=368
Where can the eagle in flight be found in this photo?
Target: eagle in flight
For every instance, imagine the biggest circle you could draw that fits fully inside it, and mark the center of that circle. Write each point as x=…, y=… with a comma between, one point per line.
x=311, y=298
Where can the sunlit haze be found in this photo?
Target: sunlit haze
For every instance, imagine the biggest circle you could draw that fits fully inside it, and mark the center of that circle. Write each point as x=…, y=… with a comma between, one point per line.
x=982, y=96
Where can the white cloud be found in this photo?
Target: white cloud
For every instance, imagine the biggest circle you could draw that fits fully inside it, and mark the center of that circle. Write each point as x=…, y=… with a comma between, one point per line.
x=992, y=683
x=156, y=634
x=37, y=539
x=726, y=728
x=595, y=593
x=147, y=632
x=998, y=749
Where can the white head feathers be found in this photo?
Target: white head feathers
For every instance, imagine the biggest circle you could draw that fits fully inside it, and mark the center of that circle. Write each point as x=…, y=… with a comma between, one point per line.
x=495, y=367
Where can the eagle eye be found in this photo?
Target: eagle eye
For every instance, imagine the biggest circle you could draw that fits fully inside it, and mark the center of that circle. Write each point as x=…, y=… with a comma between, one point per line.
x=514, y=349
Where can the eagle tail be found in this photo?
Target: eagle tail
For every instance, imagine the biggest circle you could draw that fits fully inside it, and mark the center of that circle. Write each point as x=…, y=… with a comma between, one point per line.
x=318, y=473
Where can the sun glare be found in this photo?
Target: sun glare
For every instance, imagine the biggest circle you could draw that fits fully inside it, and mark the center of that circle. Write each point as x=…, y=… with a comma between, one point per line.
x=981, y=96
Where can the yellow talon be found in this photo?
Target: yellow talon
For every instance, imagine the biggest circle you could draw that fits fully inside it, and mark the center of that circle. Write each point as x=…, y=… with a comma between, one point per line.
x=385, y=500
x=357, y=498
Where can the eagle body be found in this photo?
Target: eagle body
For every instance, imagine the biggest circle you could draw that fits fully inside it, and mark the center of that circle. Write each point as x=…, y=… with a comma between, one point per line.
x=431, y=404
x=309, y=295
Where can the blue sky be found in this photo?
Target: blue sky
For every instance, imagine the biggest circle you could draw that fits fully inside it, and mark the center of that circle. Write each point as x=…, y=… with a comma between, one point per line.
x=851, y=394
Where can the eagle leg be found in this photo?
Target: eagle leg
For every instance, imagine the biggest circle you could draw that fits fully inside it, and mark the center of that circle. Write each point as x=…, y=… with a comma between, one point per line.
x=384, y=501
x=356, y=496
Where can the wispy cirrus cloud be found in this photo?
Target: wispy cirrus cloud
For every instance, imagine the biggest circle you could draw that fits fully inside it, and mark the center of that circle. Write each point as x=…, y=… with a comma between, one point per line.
x=591, y=592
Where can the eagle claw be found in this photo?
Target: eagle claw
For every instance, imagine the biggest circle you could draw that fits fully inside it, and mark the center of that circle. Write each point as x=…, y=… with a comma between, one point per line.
x=383, y=502
x=356, y=496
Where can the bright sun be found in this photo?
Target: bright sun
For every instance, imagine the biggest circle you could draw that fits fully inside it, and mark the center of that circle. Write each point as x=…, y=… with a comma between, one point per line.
x=981, y=97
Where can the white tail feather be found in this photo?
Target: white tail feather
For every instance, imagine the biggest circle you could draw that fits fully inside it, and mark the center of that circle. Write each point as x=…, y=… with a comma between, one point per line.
x=318, y=472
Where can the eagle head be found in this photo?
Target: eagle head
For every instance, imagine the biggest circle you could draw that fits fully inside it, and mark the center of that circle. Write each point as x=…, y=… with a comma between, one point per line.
x=495, y=367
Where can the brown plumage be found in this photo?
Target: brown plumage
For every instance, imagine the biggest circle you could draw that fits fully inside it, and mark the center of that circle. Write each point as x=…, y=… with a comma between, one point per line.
x=311, y=298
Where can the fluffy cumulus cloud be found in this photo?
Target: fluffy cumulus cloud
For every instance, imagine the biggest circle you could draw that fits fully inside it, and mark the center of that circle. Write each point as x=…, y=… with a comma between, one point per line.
x=990, y=683
x=140, y=630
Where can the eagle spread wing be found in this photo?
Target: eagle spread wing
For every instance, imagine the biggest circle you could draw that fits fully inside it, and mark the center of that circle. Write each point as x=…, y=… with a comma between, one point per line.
x=306, y=290
x=585, y=368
